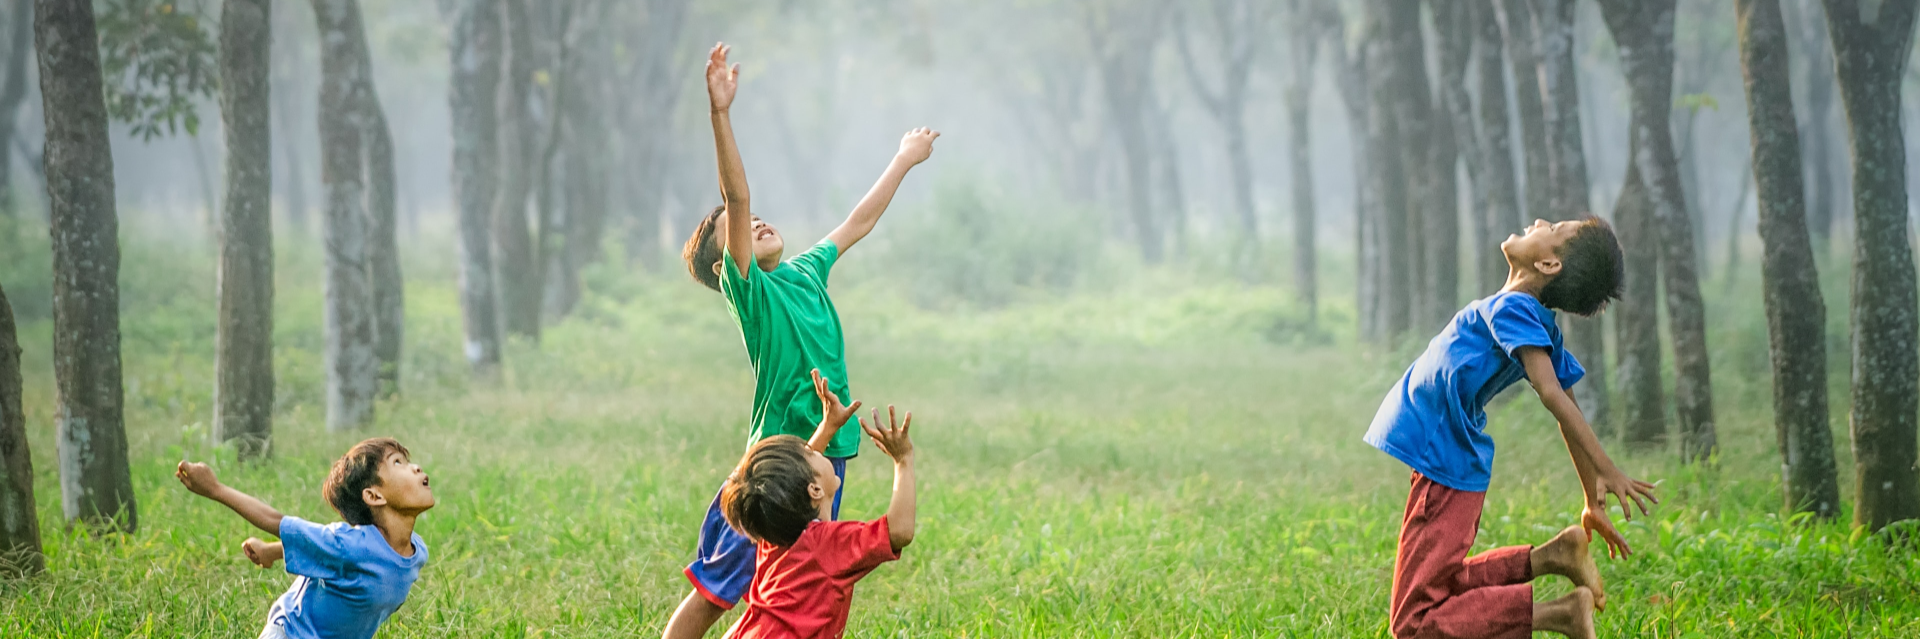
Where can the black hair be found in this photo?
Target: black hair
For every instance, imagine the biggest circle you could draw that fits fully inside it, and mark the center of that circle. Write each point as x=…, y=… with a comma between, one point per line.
x=353, y=473
x=702, y=252
x=766, y=498
x=1592, y=270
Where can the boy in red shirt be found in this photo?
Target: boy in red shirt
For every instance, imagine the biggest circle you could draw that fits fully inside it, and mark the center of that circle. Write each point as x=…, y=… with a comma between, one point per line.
x=781, y=497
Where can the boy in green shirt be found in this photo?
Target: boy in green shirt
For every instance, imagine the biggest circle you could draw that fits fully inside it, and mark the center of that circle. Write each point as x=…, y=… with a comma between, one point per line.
x=788, y=323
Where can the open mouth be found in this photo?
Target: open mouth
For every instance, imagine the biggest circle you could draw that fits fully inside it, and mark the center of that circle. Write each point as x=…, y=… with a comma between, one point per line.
x=763, y=234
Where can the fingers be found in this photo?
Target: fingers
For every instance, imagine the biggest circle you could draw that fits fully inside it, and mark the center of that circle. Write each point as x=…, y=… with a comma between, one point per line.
x=907, y=424
x=853, y=408
x=1642, y=503
x=892, y=422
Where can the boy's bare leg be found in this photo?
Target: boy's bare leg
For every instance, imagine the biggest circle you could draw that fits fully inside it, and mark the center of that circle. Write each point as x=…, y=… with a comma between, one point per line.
x=1566, y=555
x=692, y=619
x=1571, y=615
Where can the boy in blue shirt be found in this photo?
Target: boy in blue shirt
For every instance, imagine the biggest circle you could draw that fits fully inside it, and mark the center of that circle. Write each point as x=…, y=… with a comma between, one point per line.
x=787, y=323
x=1434, y=420
x=348, y=576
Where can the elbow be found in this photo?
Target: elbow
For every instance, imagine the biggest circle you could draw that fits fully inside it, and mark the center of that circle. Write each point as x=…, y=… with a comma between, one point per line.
x=901, y=538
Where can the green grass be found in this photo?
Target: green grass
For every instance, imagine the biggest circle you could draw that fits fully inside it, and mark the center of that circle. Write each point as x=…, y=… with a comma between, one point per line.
x=1153, y=455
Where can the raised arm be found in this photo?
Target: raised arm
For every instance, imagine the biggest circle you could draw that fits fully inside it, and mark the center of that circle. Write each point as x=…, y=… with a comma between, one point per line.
x=894, y=442
x=833, y=414
x=721, y=82
x=1598, y=476
x=915, y=148
x=199, y=479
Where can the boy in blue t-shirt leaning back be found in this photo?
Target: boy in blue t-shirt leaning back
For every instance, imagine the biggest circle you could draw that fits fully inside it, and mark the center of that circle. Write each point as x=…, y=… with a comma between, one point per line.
x=1435, y=421
x=349, y=576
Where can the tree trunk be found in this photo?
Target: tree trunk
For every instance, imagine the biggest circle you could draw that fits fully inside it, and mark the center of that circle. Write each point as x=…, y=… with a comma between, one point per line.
x=1523, y=52
x=1297, y=95
x=1637, y=316
x=96, y=489
x=1871, y=56
x=1796, y=314
x=289, y=89
x=1124, y=70
x=1569, y=197
x=1644, y=30
x=1823, y=190
x=475, y=47
x=19, y=523
x=512, y=241
x=1397, y=147
x=1350, y=78
x=1232, y=19
x=1452, y=131
x=352, y=368
x=1499, y=213
x=243, y=347
x=1166, y=172
x=13, y=93
x=383, y=244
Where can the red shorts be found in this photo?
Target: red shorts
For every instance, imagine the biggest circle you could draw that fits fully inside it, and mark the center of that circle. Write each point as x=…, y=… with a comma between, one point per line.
x=1441, y=593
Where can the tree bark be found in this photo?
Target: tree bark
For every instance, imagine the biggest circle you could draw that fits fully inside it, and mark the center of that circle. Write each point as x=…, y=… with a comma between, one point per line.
x=1637, y=315
x=96, y=489
x=1569, y=196
x=513, y=265
x=476, y=48
x=19, y=524
x=1870, y=49
x=243, y=348
x=383, y=244
x=1122, y=47
x=1297, y=95
x=1522, y=40
x=13, y=94
x=1499, y=212
x=1796, y=314
x=1452, y=130
x=1397, y=147
x=1350, y=78
x=1233, y=23
x=1644, y=31
x=1816, y=133
x=352, y=368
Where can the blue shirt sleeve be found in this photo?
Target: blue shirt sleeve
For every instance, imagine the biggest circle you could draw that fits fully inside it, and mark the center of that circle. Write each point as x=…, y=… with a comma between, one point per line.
x=818, y=261
x=1567, y=368
x=313, y=550
x=1518, y=320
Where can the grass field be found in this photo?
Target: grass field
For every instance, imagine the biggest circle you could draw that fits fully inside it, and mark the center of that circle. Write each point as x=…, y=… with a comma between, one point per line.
x=1148, y=457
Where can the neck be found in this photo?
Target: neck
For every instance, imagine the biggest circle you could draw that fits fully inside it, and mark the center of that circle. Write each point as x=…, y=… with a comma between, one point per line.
x=1524, y=280
x=397, y=527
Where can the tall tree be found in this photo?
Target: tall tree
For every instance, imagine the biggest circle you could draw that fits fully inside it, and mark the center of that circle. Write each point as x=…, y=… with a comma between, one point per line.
x=1796, y=314
x=1396, y=145
x=1870, y=48
x=1824, y=190
x=289, y=85
x=13, y=92
x=1637, y=315
x=1349, y=64
x=475, y=49
x=383, y=246
x=1523, y=52
x=1232, y=26
x=647, y=121
x=1448, y=110
x=1495, y=182
x=513, y=257
x=1123, y=37
x=96, y=488
x=1644, y=31
x=243, y=345
x=19, y=523
x=352, y=368
x=1303, y=43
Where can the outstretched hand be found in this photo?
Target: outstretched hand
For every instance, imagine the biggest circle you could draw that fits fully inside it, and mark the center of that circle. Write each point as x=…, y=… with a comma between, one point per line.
x=197, y=477
x=1623, y=488
x=832, y=413
x=917, y=145
x=892, y=439
x=721, y=79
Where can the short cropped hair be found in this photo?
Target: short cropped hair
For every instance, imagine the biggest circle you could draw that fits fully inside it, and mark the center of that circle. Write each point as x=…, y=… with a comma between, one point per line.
x=353, y=473
x=766, y=497
x=702, y=252
x=1592, y=270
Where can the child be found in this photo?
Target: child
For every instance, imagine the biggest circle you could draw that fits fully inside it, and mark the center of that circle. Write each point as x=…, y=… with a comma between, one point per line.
x=781, y=497
x=1434, y=420
x=789, y=326
x=349, y=577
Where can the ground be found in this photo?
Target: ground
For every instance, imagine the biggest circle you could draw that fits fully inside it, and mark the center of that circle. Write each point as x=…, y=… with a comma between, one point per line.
x=1162, y=458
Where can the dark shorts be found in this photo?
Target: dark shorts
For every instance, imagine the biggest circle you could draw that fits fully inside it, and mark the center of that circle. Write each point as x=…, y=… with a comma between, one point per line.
x=723, y=567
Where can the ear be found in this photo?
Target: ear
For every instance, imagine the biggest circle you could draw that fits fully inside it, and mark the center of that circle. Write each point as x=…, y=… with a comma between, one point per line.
x=373, y=497
x=716, y=268
x=815, y=492
x=1549, y=266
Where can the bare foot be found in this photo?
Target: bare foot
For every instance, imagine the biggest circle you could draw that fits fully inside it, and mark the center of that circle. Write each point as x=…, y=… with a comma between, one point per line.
x=1571, y=615
x=1566, y=555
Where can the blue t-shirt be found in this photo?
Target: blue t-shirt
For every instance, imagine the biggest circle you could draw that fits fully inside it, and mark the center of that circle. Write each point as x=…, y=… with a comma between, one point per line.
x=1435, y=419
x=348, y=580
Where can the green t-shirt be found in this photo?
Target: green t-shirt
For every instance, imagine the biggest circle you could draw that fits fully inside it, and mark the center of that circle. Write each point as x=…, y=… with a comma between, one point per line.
x=790, y=328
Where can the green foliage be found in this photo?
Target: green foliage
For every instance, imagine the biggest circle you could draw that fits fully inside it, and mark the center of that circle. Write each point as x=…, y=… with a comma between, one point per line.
x=979, y=247
x=156, y=60
x=1697, y=101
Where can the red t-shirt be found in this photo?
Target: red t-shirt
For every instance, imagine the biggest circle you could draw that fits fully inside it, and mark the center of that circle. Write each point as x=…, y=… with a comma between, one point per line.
x=805, y=590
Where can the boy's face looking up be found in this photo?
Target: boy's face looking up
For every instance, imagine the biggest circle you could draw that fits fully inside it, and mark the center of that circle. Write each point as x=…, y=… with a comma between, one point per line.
x=1537, y=248
x=403, y=486
x=767, y=243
